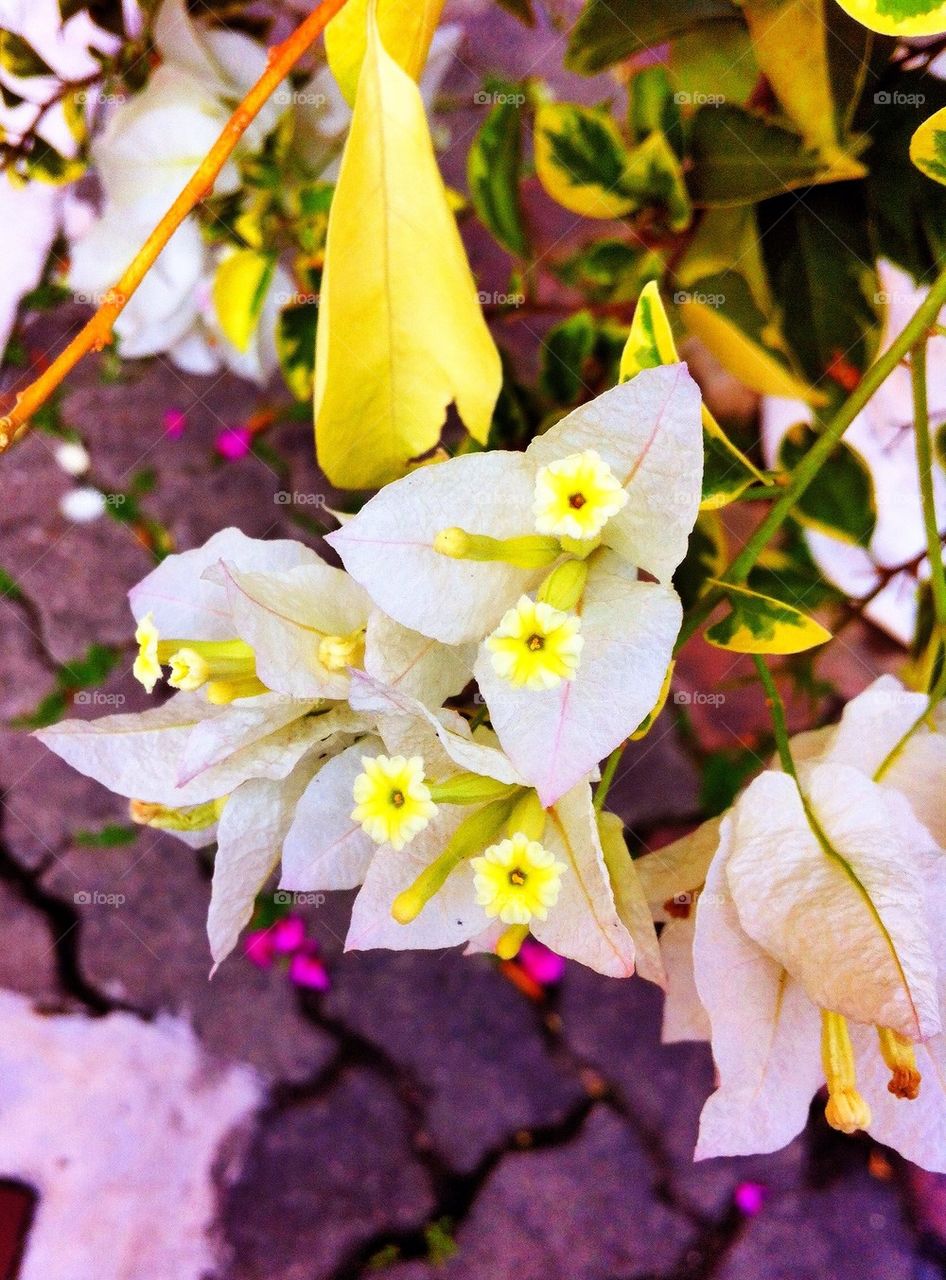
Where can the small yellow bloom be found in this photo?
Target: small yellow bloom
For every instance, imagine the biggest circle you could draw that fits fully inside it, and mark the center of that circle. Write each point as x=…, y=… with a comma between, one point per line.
x=576, y=496
x=392, y=803
x=536, y=646
x=338, y=653
x=517, y=880
x=147, y=667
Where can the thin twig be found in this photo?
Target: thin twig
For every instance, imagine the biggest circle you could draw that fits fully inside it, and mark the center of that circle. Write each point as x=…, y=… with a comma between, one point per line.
x=98, y=332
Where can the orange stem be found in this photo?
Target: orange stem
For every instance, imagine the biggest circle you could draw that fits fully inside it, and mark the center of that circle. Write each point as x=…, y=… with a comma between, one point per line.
x=98, y=332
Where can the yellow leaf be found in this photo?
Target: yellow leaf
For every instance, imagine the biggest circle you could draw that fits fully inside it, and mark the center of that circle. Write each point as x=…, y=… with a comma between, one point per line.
x=406, y=26
x=928, y=147
x=762, y=624
x=400, y=332
x=649, y=343
x=752, y=364
x=790, y=42
x=899, y=17
x=239, y=291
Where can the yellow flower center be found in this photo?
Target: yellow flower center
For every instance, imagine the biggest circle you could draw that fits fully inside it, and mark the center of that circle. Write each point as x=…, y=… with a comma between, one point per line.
x=576, y=496
x=226, y=667
x=147, y=668
x=338, y=653
x=392, y=802
x=517, y=880
x=536, y=646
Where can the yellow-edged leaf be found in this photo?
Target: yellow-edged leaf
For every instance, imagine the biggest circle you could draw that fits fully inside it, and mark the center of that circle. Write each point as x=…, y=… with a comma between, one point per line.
x=762, y=624
x=645, y=726
x=727, y=470
x=401, y=334
x=790, y=42
x=581, y=160
x=239, y=291
x=752, y=364
x=928, y=147
x=899, y=17
x=407, y=28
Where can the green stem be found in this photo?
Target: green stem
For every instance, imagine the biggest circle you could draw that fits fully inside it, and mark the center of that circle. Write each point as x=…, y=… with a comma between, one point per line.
x=607, y=776
x=779, y=723
x=919, y=325
x=924, y=466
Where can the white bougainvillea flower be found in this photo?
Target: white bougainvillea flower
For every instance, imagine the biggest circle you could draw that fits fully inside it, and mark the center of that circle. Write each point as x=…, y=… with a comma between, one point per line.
x=536, y=646
x=829, y=911
x=581, y=898
x=260, y=638
x=451, y=549
x=517, y=880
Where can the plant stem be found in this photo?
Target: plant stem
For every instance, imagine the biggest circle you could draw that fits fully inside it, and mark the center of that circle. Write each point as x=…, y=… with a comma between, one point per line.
x=774, y=700
x=98, y=332
x=607, y=776
x=917, y=328
x=924, y=466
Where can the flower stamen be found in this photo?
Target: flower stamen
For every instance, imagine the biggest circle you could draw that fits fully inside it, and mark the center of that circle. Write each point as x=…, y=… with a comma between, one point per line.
x=900, y=1056
x=847, y=1110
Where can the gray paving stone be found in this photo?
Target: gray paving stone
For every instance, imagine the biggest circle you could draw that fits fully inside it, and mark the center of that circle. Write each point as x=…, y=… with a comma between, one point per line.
x=615, y=1026
x=148, y=947
x=585, y=1210
x=322, y=1179
x=854, y=1231
x=467, y=1035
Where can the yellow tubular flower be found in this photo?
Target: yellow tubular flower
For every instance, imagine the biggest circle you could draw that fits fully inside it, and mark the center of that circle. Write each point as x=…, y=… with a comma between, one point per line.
x=338, y=653
x=847, y=1110
x=536, y=646
x=147, y=668
x=576, y=496
x=517, y=880
x=392, y=802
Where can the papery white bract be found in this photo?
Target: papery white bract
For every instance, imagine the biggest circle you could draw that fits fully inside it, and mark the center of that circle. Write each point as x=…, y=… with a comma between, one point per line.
x=829, y=910
x=647, y=434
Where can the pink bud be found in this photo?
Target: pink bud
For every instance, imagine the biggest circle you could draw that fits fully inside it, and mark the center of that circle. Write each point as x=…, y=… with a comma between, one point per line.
x=542, y=965
x=749, y=1197
x=307, y=970
x=288, y=935
x=175, y=423
x=258, y=948
x=233, y=443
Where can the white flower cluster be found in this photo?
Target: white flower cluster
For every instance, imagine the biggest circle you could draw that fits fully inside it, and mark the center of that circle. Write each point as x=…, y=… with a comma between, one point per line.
x=311, y=719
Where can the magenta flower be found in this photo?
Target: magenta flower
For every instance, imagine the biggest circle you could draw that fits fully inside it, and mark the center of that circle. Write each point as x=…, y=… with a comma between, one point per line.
x=286, y=940
x=175, y=423
x=543, y=966
x=233, y=443
x=750, y=1197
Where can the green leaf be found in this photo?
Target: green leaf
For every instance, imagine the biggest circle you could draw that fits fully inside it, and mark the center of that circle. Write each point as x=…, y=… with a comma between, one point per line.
x=9, y=587
x=928, y=147
x=295, y=347
x=239, y=292
x=821, y=261
x=714, y=70
x=740, y=157
x=45, y=164
x=654, y=176
x=724, y=776
x=706, y=558
x=20, y=58
x=789, y=570
x=840, y=500
x=908, y=211
x=110, y=836
x=566, y=348
x=581, y=160
x=609, y=31
x=611, y=270
x=494, y=169
x=762, y=624
x=652, y=107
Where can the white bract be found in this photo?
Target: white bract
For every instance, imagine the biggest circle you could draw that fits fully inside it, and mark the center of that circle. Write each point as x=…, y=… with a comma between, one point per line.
x=829, y=910
x=260, y=639
x=537, y=557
